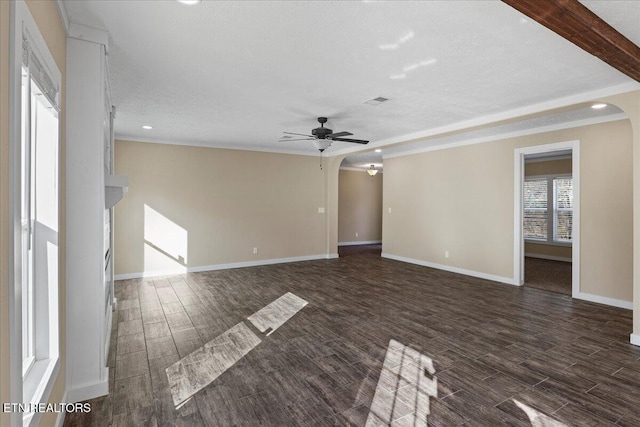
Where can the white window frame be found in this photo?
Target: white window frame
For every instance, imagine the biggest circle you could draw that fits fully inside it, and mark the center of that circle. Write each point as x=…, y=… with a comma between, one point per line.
x=35, y=387
x=551, y=202
x=27, y=167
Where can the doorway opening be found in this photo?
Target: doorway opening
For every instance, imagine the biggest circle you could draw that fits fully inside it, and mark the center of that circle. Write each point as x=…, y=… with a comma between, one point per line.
x=547, y=217
x=360, y=205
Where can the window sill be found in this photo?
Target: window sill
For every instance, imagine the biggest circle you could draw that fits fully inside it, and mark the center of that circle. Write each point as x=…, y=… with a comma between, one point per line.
x=37, y=386
x=548, y=243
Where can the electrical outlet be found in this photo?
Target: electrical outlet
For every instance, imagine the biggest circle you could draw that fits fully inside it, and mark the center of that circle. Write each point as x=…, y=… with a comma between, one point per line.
x=356, y=234
x=446, y=254
x=255, y=250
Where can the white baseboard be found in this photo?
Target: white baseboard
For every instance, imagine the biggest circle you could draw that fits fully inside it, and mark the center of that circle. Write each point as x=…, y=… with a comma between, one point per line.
x=634, y=339
x=61, y=415
x=364, y=242
x=223, y=266
x=87, y=391
x=604, y=300
x=549, y=257
x=478, y=274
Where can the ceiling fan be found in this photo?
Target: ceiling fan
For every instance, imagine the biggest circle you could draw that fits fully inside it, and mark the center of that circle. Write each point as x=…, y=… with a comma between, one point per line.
x=322, y=137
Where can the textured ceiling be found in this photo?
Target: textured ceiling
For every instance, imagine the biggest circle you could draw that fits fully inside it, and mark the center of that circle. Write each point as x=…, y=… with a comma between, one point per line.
x=239, y=73
x=623, y=15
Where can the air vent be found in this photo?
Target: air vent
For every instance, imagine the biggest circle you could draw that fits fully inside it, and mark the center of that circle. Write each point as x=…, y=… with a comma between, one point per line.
x=376, y=101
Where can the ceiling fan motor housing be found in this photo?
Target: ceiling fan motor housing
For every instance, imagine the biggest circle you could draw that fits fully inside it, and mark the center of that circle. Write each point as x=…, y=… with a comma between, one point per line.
x=321, y=132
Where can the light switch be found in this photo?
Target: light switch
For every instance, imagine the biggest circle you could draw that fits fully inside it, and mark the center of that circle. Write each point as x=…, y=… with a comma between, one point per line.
x=320, y=210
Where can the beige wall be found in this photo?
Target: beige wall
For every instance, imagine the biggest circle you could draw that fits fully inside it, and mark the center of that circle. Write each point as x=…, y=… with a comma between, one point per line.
x=359, y=206
x=46, y=16
x=541, y=250
x=196, y=207
x=461, y=200
x=549, y=167
x=630, y=103
x=4, y=203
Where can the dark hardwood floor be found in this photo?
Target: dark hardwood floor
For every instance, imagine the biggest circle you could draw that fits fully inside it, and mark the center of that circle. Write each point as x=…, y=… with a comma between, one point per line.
x=350, y=250
x=501, y=355
x=548, y=275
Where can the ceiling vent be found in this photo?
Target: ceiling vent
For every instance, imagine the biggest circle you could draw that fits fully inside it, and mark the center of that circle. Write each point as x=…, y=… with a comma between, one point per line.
x=376, y=101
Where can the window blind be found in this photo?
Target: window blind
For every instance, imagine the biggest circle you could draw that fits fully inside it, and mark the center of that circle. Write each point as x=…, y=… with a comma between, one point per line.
x=563, y=209
x=535, y=208
x=39, y=73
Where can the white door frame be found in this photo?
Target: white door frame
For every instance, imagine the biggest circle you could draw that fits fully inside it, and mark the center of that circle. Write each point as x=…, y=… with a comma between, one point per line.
x=518, y=239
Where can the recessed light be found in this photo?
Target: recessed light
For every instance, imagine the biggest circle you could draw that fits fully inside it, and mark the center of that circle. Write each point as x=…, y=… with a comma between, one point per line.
x=378, y=150
x=598, y=106
x=147, y=127
x=189, y=2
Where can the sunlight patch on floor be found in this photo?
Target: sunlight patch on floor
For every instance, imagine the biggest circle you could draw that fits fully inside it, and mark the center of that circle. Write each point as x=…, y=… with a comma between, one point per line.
x=405, y=385
x=200, y=368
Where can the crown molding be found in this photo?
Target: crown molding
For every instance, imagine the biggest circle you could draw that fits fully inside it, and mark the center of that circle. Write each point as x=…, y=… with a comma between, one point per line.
x=90, y=34
x=62, y=11
x=130, y=138
x=566, y=101
x=514, y=134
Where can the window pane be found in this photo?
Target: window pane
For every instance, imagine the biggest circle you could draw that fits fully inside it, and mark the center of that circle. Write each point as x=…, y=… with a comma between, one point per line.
x=45, y=142
x=563, y=223
x=535, y=194
x=563, y=190
x=535, y=224
x=26, y=185
x=535, y=208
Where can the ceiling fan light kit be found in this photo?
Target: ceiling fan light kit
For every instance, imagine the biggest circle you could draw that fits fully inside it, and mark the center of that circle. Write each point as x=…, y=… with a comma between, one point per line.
x=321, y=144
x=322, y=137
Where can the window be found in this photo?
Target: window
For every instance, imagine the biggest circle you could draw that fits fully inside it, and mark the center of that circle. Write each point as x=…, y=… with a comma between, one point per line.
x=27, y=207
x=562, y=209
x=34, y=130
x=39, y=207
x=548, y=209
x=535, y=209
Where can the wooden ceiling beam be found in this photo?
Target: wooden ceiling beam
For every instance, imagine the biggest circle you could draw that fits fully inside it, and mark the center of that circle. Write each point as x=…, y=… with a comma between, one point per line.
x=576, y=23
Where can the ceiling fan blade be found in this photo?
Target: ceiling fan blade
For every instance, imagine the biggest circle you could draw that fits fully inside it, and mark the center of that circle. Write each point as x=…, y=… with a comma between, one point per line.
x=296, y=139
x=301, y=134
x=339, y=134
x=357, y=141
